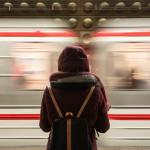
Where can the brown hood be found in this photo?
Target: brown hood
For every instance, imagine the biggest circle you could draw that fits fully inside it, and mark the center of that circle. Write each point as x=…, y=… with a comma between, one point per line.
x=73, y=59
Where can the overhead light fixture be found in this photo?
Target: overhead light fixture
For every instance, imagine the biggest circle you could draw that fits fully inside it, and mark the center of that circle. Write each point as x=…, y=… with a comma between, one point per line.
x=72, y=6
x=102, y=20
x=88, y=6
x=24, y=5
x=56, y=6
x=40, y=5
x=104, y=6
x=120, y=5
x=137, y=5
x=73, y=22
x=87, y=22
x=8, y=5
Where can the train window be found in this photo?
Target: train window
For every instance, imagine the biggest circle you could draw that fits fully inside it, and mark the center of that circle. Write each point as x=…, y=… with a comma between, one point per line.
x=128, y=66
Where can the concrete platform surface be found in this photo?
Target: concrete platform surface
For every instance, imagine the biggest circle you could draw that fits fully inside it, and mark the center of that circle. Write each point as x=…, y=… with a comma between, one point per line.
x=102, y=148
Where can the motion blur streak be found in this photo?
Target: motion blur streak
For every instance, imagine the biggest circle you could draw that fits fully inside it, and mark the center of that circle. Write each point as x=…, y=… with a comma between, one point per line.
x=111, y=116
x=29, y=49
x=121, y=54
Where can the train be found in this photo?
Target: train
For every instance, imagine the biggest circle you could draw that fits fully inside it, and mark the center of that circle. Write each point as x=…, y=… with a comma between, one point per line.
x=29, y=49
x=119, y=54
x=121, y=57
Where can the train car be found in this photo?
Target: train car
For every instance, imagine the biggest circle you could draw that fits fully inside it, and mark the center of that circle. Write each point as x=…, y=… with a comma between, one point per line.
x=121, y=57
x=29, y=50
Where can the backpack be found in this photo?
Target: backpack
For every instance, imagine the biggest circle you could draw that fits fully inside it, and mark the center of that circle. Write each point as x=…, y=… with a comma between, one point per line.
x=70, y=132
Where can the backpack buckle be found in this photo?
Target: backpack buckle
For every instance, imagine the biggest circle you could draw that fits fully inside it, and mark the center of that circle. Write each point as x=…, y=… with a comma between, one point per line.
x=69, y=115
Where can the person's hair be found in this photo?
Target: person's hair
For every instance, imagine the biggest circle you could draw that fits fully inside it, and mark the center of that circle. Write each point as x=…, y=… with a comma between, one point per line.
x=73, y=59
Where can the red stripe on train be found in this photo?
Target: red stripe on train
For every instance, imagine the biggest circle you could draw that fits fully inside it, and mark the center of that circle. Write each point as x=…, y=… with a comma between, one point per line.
x=97, y=34
x=19, y=116
x=38, y=34
x=129, y=116
x=111, y=116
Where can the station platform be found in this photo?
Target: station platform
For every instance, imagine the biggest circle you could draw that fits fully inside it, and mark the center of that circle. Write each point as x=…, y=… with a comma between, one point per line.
x=99, y=148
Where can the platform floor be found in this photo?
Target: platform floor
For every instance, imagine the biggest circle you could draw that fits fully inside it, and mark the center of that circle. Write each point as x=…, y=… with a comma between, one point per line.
x=102, y=148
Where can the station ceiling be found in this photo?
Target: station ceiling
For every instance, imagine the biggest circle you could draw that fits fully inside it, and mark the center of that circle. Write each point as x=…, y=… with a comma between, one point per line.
x=81, y=14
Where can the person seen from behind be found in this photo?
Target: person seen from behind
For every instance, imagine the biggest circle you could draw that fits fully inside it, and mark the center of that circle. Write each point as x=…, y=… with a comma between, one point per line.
x=73, y=67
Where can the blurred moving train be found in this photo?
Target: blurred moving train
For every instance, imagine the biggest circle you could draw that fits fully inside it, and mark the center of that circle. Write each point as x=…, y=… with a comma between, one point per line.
x=119, y=55
x=29, y=49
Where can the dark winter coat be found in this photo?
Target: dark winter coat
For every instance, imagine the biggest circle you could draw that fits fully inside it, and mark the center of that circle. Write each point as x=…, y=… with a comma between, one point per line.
x=70, y=100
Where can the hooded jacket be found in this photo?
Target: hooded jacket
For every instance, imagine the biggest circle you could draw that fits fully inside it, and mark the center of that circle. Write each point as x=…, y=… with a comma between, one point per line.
x=73, y=67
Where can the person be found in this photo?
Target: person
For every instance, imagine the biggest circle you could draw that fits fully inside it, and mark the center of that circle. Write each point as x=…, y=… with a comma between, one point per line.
x=73, y=66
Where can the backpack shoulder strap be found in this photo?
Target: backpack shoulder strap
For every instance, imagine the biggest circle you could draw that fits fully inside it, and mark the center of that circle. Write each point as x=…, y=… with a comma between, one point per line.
x=55, y=103
x=85, y=101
